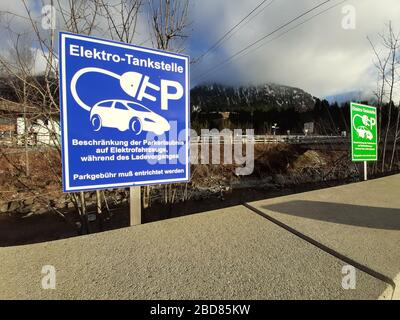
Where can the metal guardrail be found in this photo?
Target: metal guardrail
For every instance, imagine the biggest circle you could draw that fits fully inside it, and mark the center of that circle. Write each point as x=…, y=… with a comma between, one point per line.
x=269, y=139
x=19, y=143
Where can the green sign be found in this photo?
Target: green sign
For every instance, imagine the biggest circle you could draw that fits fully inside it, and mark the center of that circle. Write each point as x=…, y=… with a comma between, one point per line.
x=364, y=133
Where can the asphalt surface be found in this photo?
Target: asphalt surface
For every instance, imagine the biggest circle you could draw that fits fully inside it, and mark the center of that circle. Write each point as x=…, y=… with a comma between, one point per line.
x=360, y=221
x=226, y=254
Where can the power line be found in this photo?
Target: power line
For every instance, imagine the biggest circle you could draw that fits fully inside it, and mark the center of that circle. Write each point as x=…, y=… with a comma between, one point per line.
x=293, y=28
x=221, y=40
x=223, y=63
x=228, y=60
x=248, y=21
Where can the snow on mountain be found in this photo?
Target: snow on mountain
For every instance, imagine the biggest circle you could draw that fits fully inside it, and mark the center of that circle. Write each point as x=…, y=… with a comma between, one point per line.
x=269, y=96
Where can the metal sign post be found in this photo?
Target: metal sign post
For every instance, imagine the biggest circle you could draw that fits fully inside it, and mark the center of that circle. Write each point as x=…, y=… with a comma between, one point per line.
x=135, y=206
x=365, y=170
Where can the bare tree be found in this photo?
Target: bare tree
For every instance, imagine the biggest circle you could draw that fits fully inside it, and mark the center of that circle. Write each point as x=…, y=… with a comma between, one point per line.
x=387, y=64
x=381, y=64
x=396, y=138
x=40, y=91
x=169, y=21
x=19, y=62
x=116, y=19
x=78, y=16
x=392, y=43
x=121, y=18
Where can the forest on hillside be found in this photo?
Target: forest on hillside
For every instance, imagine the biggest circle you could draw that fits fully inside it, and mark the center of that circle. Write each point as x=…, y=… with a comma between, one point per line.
x=288, y=108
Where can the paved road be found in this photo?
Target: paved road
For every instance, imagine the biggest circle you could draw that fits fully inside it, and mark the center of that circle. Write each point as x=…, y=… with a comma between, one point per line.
x=360, y=221
x=232, y=253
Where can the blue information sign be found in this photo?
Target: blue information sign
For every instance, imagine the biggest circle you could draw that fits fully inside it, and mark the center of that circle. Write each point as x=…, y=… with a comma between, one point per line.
x=124, y=114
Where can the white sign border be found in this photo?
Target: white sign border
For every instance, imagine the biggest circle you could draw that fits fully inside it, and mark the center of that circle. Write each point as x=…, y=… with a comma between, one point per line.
x=351, y=132
x=66, y=176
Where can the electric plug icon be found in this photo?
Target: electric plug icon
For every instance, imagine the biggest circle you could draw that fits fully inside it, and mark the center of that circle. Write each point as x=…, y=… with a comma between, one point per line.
x=137, y=86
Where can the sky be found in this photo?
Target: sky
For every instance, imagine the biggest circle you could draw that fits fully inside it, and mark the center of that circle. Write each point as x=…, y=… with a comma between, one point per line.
x=320, y=56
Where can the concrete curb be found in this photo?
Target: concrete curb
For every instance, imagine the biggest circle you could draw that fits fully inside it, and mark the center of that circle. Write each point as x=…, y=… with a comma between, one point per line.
x=393, y=293
x=389, y=294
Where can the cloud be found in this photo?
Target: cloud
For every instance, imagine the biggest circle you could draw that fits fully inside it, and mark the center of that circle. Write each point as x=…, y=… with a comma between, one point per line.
x=319, y=56
x=15, y=24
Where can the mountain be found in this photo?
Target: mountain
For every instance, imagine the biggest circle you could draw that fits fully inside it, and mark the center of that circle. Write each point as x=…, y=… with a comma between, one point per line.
x=266, y=97
x=351, y=96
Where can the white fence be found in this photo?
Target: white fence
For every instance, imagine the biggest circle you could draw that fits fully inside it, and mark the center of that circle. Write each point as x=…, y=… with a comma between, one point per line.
x=268, y=139
x=41, y=138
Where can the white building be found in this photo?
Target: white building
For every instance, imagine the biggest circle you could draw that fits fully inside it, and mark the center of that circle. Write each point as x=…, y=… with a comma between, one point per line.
x=40, y=133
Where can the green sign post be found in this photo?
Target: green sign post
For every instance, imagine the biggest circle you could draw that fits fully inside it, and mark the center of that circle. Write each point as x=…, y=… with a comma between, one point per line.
x=364, y=134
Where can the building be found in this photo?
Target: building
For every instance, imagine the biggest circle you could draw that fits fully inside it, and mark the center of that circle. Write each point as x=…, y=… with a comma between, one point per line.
x=39, y=130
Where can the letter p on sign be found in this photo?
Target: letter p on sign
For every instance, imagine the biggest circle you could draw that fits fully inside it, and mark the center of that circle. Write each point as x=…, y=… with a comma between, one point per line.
x=166, y=95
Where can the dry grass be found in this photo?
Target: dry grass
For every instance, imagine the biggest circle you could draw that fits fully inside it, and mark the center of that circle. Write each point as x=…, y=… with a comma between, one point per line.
x=270, y=160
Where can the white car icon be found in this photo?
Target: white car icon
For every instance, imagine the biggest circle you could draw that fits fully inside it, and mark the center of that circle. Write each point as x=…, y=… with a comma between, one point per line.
x=127, y=115
x=364, y=133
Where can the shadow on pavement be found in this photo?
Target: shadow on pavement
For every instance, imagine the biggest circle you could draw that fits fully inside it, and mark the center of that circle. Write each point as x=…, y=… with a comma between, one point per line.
x=361, y=216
